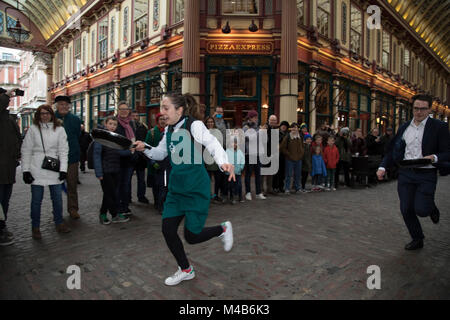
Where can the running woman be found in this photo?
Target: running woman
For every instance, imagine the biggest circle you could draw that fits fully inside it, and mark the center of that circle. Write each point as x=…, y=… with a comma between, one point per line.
x=189, y=184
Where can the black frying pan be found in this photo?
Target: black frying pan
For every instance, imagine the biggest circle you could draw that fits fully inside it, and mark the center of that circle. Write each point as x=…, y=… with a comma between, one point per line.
x=414, y=163
x=112, y=140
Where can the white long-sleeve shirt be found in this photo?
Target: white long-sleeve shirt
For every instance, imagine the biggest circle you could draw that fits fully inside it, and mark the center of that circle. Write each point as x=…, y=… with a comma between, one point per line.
x=201, y=135
x=413, y=136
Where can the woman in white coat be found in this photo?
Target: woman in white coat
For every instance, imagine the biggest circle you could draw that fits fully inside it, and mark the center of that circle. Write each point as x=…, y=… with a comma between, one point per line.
x=54, y=141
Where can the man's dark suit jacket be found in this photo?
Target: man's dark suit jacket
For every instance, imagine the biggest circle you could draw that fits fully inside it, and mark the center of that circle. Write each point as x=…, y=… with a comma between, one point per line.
x=436, y=140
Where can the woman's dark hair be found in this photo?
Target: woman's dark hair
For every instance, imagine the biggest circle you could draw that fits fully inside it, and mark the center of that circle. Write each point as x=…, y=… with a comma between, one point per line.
x=206, y=121
x=188, y=103
x=37, y=116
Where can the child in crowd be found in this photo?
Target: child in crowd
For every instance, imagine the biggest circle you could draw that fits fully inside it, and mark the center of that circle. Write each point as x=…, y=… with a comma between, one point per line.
x=306, y=161
x=318, y=141
x=331, y=158
x=319, y=169
x=236, y=158
x=107, y=170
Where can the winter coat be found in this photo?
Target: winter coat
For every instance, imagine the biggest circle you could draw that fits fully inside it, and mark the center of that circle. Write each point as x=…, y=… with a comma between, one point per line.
x=132, y=159
x=56, y=146
x=240, y=160
x=318, y=166
x=331, y=156
x=345, y=154
x=292, y=148
x=72, y=126
x=10, y=141
x=307, y=158
x=107, y=160
x=252, y=137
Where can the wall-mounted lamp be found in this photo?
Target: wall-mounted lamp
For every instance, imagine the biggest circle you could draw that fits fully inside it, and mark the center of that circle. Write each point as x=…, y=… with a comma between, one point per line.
x=253, y=27
x=226, y=28
x=265, y=106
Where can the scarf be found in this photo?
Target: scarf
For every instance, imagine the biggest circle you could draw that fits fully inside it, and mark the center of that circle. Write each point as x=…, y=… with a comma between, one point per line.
x=125, y=123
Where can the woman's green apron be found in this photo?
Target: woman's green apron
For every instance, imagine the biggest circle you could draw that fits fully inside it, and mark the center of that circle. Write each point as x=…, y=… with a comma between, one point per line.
x=189, y=185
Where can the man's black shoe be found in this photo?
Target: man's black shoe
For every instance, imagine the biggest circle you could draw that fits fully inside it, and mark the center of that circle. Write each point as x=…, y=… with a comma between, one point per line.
x=144, y=200
x=434, y=215
x=414, y=245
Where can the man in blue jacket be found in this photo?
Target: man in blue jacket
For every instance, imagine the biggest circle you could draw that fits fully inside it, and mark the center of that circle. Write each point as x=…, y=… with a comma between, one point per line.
x=72, y=125
x=422, y=137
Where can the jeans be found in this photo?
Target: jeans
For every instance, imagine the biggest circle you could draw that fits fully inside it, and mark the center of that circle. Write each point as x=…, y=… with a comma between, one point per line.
x=37, y=193
x=124, y=188
x=317, y=180
x=5, y=195
x=330, y=177
x=249, y=168
x=141, y=186
x=296, y=167
x=235, y=187
x=109, y=202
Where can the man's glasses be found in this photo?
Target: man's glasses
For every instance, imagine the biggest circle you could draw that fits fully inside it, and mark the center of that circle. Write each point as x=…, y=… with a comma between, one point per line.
x=420, y=109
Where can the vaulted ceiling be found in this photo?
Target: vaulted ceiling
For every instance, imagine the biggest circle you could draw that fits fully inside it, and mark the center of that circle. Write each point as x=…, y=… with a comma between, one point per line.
x=48, y=15
x=430, y=20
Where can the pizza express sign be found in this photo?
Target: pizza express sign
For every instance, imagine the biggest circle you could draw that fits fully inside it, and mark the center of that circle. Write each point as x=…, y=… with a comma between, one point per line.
x=239, y=47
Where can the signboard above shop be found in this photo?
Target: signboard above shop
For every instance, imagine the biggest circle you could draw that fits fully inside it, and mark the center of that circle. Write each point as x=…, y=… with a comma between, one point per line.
x=239, y=47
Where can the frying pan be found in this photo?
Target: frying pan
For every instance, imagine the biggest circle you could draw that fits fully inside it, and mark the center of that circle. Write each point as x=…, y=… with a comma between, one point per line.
x=112, y=140
x=414, y=163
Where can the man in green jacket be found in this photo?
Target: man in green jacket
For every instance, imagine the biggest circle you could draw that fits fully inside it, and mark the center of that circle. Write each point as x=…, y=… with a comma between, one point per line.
x=72, y=125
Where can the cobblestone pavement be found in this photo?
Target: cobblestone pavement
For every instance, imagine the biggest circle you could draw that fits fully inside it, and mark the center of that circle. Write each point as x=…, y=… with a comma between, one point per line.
x=305, y=246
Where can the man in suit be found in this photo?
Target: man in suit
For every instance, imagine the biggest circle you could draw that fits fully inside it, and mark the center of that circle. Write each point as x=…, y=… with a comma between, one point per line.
x=422, y=137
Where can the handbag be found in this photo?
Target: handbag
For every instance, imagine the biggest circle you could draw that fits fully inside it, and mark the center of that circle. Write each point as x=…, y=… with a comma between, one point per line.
x=49, y=163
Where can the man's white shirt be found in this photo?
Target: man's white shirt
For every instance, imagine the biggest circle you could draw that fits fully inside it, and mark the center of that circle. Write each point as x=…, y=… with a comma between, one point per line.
x=413, y=137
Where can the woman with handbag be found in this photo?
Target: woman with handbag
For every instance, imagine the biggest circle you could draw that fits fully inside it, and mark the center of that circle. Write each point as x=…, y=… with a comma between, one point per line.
x=44, y=163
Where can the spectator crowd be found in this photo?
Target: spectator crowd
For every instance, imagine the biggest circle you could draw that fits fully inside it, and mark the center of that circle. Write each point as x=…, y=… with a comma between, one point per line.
x=58, y=137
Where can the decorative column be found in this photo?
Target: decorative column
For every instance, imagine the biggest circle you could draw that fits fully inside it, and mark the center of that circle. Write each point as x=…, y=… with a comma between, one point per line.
x=397, y=114
x=373, y=109
x=289, y=62
x=335, y=111
x=86, y=111
x=312, y=98
x=191, y=48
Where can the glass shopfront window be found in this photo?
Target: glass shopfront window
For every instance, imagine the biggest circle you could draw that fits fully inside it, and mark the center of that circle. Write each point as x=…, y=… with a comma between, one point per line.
x=78, y=105
x=243, y=7
x=303, y=95
x=385, y=112
x=143, y=93
x=322, y=99
x=103, y=102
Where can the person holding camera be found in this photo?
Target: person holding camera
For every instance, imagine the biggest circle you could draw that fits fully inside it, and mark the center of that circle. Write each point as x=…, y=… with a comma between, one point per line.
x=45, y=148
x=10, y=140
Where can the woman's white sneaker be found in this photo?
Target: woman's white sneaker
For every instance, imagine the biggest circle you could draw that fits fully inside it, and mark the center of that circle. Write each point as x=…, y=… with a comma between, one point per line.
x=227, y=236
x=179, y=276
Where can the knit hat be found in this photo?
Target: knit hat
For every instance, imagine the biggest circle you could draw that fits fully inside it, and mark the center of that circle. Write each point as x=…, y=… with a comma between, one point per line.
x=293, y=124
x=252, y=114
x=158, y=115
x=345, y=130
x=307, y=136
x=284, y=123
x=303, y=125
